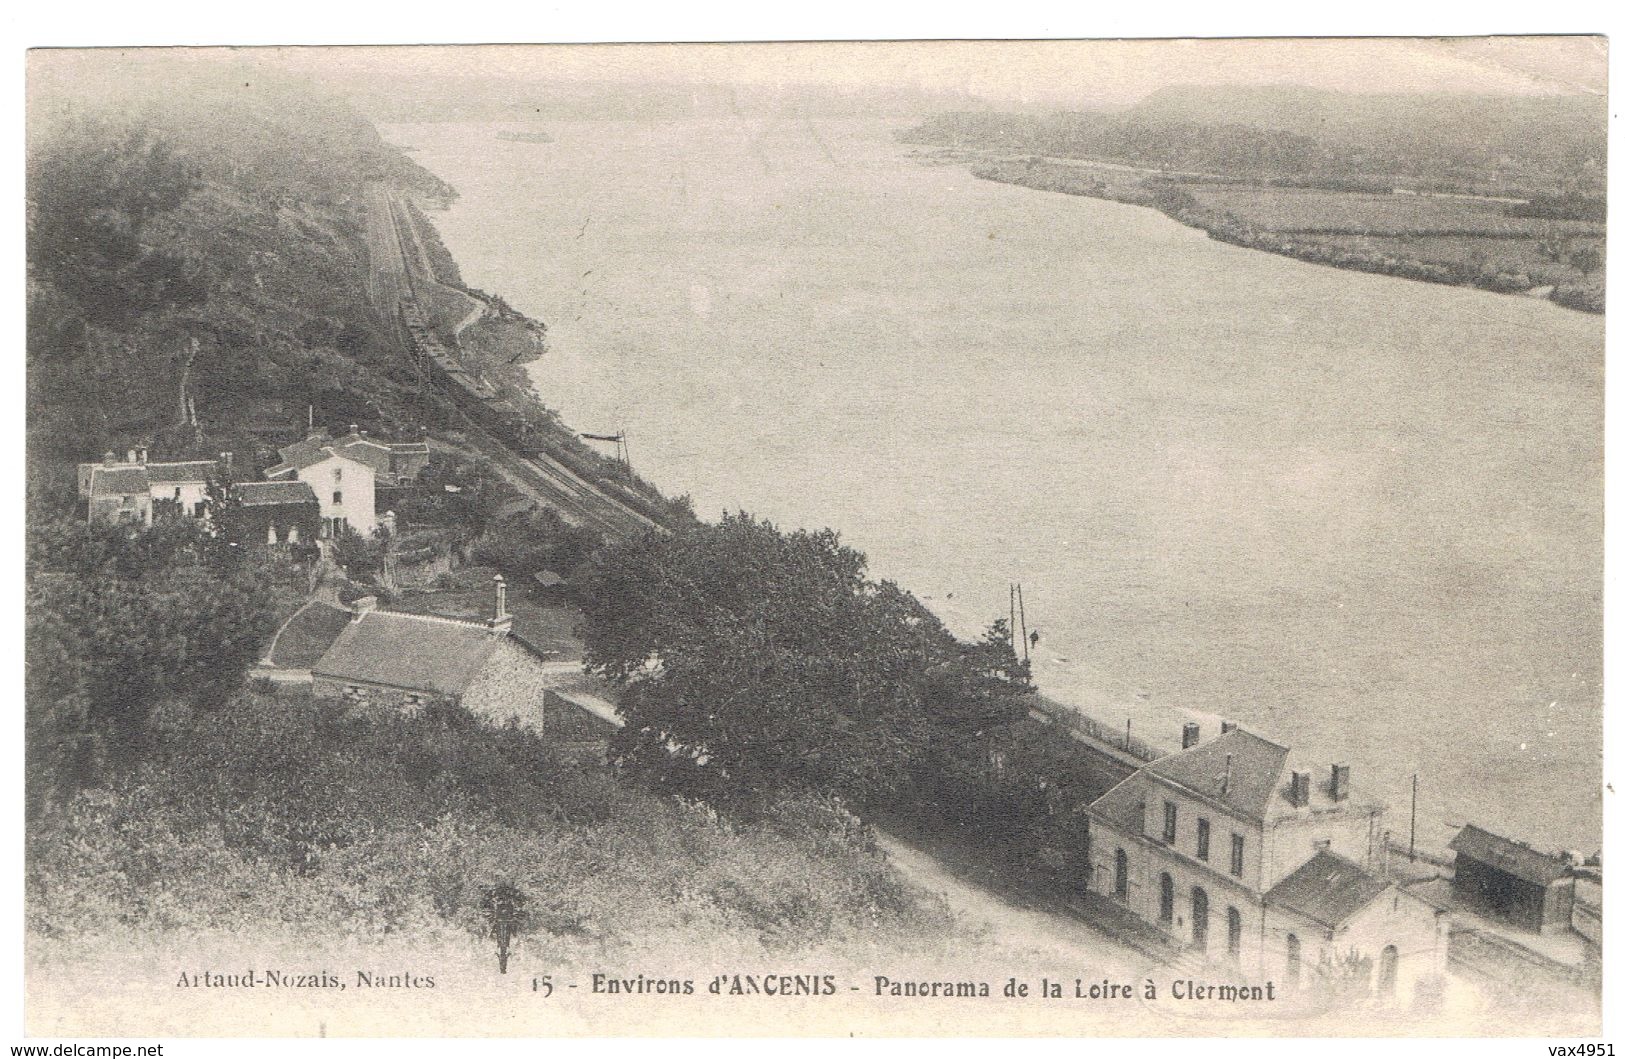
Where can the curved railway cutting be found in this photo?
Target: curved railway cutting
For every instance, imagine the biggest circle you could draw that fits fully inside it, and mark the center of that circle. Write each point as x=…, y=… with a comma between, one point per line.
x=392, y=281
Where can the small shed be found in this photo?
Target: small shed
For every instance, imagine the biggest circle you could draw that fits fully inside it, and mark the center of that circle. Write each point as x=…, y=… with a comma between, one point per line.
x=1529, y=888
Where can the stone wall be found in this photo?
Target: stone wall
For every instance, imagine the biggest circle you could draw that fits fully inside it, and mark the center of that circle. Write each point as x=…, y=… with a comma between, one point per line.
x=513, y=684
x=374, y=699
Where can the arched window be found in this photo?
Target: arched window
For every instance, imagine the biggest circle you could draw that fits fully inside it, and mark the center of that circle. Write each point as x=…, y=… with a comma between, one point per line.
x=1294, y=959
x=1199, y=918
x=1165, y=910
x=1388, y=971
x=1120, y=875
x=1233, y=936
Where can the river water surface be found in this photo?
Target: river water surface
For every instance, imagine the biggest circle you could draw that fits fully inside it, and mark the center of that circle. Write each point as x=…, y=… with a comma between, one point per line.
x=1359, y=515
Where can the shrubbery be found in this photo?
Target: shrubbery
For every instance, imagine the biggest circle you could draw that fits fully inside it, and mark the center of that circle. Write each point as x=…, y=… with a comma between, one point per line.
x=121, y=620
x=270, y=810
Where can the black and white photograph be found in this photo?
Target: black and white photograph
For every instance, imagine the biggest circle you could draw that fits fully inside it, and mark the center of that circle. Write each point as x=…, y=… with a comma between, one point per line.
x=1094, y=538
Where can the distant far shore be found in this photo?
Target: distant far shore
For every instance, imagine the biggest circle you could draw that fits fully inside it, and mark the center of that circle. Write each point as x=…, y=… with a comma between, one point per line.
x=1455, y=240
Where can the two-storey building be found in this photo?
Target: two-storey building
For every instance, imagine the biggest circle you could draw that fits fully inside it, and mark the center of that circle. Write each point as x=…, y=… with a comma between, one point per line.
x=346, y=473
x=135, y=491
x=1239, y=852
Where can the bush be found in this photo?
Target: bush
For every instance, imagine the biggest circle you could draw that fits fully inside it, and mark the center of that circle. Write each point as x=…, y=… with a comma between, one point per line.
x=275, y=811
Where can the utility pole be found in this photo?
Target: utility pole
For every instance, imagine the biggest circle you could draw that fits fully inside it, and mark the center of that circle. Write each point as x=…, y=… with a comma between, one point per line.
x=1413, y=818
x=1021, y=601
x=1012, y=617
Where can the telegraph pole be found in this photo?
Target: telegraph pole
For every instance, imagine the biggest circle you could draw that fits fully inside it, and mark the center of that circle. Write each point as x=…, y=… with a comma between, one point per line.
x=1021, y=601
x=1413, y=817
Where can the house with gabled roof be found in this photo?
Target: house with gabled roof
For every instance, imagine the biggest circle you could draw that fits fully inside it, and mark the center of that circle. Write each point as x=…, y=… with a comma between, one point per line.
x=1238, y=851
x=345, y=473
x=376, y=660
x=133, y=490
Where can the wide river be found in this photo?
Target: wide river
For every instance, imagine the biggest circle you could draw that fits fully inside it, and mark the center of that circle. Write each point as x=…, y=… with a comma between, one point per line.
x=1359, y=515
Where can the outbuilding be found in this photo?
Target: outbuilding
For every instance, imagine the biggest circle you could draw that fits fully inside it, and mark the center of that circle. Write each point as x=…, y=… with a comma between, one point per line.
x=1529, y=888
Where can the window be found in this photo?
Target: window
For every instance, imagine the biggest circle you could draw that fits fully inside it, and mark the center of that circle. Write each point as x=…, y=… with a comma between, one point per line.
x=338, y=475
x=338, y=497
x=1170, y=822
x=1235, y=854
x=1388, y=971
x=1294, y=959
x=1233, y=938
x=1120, y=875
x=1165, y=909
x=1199, y=918
x=1201, y=837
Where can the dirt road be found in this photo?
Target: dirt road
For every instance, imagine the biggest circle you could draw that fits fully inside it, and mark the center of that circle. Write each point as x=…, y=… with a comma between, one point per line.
x=1065, y=939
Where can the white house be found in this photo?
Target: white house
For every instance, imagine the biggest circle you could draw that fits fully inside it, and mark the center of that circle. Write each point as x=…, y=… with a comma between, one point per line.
x=1245, y=856
x=346, y=473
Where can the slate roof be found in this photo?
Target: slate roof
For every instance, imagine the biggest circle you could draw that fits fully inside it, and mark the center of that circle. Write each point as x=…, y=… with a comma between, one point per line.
x=191, y=471
x=1328, y=889
x=298, y=461
x=1514, y=858
x=1124, y=805
x=307, y=635
x=1253, y=764
x=318, y=447
x=118, y=481
x=261, y=494
x=411, y=651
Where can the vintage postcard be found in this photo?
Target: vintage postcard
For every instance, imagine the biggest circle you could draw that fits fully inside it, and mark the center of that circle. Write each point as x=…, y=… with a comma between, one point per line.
x=1053, y=538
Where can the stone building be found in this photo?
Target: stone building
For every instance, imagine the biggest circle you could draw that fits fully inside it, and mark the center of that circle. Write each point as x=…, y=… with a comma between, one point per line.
x=1245, y=856
x=136, y=491
x=378, y=660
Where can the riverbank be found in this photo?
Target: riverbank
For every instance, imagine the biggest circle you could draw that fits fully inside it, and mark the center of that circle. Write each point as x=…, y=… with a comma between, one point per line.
x=1384, y=234
x=1235, y=487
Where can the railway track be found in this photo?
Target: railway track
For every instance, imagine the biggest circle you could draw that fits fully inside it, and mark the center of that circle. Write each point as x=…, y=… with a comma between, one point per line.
x=539, y=476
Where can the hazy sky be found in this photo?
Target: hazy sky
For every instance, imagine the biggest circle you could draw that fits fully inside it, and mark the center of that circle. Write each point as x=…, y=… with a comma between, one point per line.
x=1066, y=72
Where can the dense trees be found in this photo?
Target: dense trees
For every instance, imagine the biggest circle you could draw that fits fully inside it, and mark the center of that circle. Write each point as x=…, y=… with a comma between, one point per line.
x=95, y=188
x=756, y=661
x=120, y=621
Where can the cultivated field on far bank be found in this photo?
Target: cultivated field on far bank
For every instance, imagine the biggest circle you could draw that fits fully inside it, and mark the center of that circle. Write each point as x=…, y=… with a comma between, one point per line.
x=1458, y=240
x=1286, y=209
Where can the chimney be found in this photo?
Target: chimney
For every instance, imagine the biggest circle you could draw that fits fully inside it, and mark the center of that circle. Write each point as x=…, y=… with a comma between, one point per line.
x=1340, y=783
x=1226, y=727
x=363, y=605
x=1229, y=764
x=1192, y=733
x=109, y=458
x=225, y=458
x=129, y=457
x=502, y=622
x=143, y=457
x=1300, y=789
x=352, y=428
